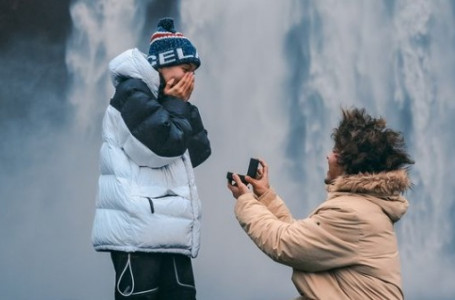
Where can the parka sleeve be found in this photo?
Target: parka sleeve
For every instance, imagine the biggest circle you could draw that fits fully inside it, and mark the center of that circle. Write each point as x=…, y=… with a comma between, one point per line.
x=198, y=144
x=276, y=206
x=159, y=130
x=308, y=245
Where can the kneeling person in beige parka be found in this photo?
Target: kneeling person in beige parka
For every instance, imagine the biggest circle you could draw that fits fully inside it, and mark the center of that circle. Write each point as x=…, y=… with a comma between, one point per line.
x=347, y=247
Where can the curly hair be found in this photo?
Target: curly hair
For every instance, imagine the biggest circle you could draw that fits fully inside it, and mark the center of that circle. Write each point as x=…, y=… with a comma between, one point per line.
x=365, y=145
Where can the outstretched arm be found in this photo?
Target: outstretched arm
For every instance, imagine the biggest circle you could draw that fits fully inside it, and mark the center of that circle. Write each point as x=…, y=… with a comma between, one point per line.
x=305, y=245
x=262, y=192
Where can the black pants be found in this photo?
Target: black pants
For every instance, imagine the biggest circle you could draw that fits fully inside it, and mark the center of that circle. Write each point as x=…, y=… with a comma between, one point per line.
x=153, y=276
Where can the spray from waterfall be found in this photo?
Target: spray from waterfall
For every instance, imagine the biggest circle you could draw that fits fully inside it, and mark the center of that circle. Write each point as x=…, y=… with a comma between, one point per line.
x=273, y=78
x=391, y=57
x=101, y=30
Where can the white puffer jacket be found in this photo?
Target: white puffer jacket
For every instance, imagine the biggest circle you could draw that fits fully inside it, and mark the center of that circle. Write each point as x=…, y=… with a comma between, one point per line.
x=146, y=202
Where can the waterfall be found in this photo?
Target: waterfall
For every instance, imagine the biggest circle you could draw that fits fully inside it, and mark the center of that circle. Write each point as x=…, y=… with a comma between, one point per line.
x=273, y=78
x=277, y=73
x=101, y=30
x=425, y=30
x=391, y=58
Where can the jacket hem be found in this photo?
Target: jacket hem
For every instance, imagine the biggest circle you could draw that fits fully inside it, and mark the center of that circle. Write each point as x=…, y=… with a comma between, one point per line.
x=106, y=248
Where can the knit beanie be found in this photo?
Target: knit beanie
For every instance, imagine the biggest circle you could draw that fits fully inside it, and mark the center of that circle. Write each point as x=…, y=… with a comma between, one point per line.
x=170, y=48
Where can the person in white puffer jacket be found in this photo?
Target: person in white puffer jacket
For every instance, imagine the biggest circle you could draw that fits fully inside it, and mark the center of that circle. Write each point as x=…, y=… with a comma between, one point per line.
x=148, y=210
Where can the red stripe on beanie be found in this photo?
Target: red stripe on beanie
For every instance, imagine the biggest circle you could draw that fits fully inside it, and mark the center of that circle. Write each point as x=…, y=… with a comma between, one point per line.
x=157, y=35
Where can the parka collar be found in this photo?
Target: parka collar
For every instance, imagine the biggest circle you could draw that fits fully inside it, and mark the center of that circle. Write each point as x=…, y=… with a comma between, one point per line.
x=383, y=189
x=390, y=183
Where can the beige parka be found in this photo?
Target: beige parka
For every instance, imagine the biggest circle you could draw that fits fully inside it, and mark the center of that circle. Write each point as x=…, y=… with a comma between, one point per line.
x=346, y=248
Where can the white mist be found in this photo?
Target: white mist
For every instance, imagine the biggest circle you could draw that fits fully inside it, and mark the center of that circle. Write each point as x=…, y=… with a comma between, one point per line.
x=274, y=76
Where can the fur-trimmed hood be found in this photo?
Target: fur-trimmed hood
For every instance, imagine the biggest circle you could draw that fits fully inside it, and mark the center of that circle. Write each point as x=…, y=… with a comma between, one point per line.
x=383, y=189
x=384, y=183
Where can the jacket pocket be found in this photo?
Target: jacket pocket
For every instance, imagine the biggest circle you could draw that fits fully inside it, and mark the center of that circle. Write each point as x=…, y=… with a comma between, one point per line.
x=152, y=206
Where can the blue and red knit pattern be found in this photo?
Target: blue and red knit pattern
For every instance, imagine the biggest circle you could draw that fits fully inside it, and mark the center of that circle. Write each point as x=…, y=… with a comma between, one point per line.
x=169, y=47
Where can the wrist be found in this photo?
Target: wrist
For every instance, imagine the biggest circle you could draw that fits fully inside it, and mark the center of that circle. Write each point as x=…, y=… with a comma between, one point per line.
x=266, y=196
x=246, y=195
x=260, y=192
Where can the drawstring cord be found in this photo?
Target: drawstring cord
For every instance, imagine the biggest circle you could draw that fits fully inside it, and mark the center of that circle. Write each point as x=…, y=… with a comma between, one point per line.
x=128, y=266
x=177, y=277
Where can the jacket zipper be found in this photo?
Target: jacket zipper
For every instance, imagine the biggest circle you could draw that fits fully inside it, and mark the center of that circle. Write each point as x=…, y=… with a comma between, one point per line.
x=152, y=207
